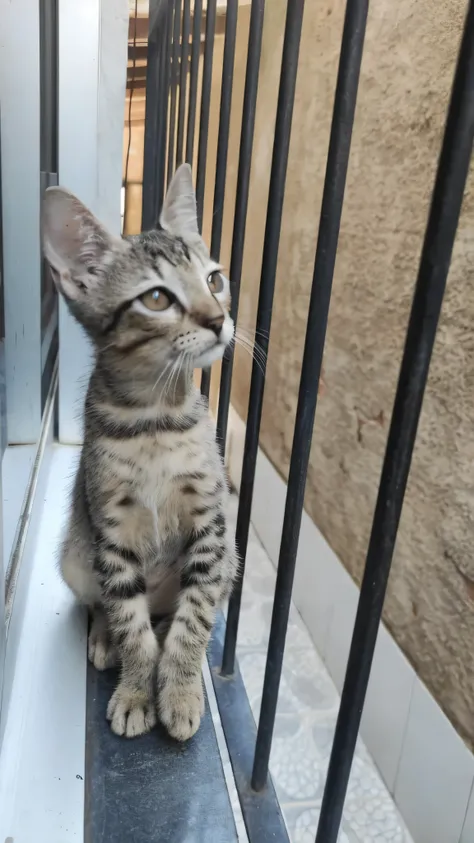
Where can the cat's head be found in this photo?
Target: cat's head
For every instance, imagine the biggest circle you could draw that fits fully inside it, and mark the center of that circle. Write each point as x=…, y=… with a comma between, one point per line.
x=150, y=298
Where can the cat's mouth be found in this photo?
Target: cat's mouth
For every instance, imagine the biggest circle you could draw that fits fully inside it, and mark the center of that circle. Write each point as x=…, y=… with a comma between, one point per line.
x=216, y=350
x=208, y=357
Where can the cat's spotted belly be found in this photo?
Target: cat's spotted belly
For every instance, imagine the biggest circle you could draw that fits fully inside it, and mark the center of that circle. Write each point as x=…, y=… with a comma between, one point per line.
x=163, y=570
x=162, y=583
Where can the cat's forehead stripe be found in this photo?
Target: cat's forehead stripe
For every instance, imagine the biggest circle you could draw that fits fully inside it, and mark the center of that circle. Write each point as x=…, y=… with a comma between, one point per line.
x=159, y=245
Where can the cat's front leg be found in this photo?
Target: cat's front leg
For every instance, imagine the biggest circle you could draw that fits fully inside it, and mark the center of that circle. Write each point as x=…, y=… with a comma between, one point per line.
x=131, y=709
x=208, y=571
x=100, y=648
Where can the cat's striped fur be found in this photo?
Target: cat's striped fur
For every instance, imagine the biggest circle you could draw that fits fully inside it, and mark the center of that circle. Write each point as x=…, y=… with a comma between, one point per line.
x=147, y=533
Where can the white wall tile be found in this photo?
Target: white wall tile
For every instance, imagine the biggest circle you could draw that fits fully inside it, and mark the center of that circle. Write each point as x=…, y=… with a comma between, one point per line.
x=435, y=775
x=319, y=580
x=345, y=599
x=235, y=447
x=387, y=705
x=268, y=506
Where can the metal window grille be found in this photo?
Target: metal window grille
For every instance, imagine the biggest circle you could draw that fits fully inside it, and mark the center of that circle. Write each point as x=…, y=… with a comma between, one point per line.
x=3, y=439
x=175, y=37
x=49, y=176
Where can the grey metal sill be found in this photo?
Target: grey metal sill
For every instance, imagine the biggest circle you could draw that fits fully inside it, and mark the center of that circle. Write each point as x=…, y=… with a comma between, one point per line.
x=152, y=789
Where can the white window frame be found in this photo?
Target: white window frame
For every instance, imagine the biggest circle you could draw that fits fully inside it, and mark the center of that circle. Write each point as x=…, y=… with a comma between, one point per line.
x=20, y=99
x=93, y=39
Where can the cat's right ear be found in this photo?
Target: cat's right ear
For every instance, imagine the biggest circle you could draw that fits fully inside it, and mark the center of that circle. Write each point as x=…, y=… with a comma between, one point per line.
x=76, y=245
x=179, y=215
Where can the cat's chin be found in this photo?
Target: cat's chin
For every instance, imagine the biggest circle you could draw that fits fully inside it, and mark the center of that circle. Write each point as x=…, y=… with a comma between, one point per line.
x=209, y=357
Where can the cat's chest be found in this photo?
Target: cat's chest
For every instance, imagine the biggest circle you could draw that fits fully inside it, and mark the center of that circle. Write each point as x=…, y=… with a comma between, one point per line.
x=158, y=485
x=156, y=475
x=159, y=490
x=156, y=471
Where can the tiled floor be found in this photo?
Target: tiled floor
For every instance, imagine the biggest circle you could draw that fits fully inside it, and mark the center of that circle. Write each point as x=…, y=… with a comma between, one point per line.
x=306, y=716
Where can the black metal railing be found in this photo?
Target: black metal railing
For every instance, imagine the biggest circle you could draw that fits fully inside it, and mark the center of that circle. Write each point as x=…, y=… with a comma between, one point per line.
x=49, y=163
x=171, y=24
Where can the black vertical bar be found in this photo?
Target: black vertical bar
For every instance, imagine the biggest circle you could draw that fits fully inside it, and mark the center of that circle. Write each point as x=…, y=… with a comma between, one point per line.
x=205, y=107
x=241, y=202
x=329, y=224
x=205, y=382
x=161, y=135
x=183, y=79
x=222, y=145
x=193, y=80
x=166, y=23
x=152, y=113
x=2, y=293
x=48, y=77
x=438, y=244
x=48, y=18
x=224, y=125
x=174, y=86
x=286, y=94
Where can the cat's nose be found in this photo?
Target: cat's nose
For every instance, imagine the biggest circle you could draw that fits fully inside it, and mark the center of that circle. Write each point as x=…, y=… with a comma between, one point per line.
x=216, y=324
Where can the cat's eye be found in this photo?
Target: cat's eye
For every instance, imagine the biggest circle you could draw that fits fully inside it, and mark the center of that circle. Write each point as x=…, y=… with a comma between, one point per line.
x=215, y=283
x=157, y=299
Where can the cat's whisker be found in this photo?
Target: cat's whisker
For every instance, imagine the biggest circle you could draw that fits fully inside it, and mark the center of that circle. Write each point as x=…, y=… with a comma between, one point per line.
x=252, y=331
x=255, y=347
x=168, y=375
x=251, y=355
x=161, y=375
x=174, y=378
x=178, y=373
x=257, y=351
x=172, y=385
x=245, y=333
x=250, y=340
x=167, y=383
x=250, y=352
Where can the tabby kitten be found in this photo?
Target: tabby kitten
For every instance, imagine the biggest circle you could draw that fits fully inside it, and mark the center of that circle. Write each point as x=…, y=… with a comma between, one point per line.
x=147, y=533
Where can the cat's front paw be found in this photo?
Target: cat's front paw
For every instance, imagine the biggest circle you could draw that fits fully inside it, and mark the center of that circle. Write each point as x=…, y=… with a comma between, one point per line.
x=100, y=649
x=131, y=712
x=180, y=709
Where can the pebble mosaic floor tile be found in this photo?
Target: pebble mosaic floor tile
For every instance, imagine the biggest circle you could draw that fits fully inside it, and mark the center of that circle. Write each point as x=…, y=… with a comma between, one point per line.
x=305, y=721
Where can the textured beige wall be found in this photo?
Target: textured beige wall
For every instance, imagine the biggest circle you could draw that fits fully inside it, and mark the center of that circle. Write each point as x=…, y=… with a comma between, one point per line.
x=406, y=76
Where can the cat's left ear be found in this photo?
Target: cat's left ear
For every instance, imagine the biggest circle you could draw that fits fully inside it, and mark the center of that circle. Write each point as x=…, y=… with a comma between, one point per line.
x=75, y=243
x=179, y=214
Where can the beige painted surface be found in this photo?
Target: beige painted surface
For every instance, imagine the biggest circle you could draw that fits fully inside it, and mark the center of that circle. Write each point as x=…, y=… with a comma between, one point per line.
x=406, y=77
